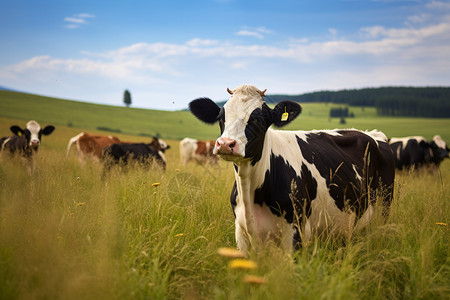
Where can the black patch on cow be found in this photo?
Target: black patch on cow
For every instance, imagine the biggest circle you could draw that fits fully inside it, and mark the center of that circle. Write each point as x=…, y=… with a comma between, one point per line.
x=205, y=110
x=277, y=194
x=255, y=131
x=140, y=152
x=334, y=157
x=19, y=145
x=233, y=196
x=439, y=154
x=221, y=118
x=414, y=154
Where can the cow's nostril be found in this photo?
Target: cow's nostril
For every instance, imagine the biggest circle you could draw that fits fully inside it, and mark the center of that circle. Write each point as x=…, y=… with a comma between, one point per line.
x=232, y=144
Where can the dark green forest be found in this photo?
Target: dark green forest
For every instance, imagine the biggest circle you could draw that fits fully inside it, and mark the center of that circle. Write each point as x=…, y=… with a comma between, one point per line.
x=431, y=102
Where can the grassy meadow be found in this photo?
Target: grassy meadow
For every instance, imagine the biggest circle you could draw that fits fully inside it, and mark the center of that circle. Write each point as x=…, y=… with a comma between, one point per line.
x=68, y=233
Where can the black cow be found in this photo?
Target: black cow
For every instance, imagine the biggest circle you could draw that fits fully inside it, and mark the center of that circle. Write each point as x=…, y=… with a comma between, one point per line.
x=25, y=142
x=138, y=152
x=291, y=184
x=415, y=151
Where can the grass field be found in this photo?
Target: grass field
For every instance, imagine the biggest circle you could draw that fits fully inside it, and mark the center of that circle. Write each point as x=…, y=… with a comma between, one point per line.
x=66, y=233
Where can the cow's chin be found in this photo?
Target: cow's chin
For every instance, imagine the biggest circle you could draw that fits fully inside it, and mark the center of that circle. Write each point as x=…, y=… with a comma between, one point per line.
x=236, y=158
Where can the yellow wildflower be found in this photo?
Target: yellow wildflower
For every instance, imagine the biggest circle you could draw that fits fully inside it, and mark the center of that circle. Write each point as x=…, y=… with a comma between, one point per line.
x=230, y=252
x=441, y=223
x=242, y=264
x=179, y=235
x=156, y=184
x=254, y=279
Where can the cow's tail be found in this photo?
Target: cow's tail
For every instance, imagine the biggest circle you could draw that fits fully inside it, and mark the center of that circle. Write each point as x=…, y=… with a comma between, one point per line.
x=71, y=141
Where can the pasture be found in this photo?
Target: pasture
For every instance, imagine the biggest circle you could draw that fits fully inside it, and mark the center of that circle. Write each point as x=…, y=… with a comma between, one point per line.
x=68, y=233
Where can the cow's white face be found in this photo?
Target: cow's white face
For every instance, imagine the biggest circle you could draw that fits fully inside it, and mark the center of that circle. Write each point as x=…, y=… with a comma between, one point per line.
x=35, y=134
x=238, y=120
x=243, y=121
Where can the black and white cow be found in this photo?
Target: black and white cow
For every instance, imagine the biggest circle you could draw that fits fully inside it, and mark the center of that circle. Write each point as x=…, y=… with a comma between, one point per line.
x=138, y=152
x=281, y=177
x=440, y=150
x=25, y=142
x=416, y=151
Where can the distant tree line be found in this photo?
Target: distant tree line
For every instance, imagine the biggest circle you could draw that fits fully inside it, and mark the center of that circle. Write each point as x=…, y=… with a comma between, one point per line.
x=431, y=102
x=341, y=112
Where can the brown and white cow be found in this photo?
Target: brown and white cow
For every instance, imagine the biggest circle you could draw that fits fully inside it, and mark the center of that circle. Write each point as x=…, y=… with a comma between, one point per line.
x=198, y=151
x=291, y=184
x=25, y=142
x=91, y=145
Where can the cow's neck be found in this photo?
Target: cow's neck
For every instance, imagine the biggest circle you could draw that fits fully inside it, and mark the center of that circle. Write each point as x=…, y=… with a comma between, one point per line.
x=249, y=177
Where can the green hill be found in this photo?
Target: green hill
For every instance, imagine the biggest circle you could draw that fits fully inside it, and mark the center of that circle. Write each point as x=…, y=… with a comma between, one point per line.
x=179, y=124
x=87, y=116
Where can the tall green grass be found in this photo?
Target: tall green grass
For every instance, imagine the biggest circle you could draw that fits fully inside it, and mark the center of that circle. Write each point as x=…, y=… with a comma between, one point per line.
x=68, y=233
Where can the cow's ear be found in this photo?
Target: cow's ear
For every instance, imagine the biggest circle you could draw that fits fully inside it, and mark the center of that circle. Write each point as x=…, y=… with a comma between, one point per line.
x=16, y=130
x=205, y=110
x=285, y=112
x=48, y=130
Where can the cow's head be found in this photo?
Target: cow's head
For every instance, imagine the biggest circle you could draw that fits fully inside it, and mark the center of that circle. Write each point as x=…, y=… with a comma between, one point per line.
x=439, y=148
x=32, y=133
x=159, y=144
x=243, y=121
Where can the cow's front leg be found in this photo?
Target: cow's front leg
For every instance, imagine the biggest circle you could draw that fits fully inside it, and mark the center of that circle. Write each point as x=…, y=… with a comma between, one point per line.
x=242, y=239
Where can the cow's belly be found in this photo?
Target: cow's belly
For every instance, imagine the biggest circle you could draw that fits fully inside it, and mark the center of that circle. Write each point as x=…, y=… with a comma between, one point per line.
x=258, y=225
x=327, y=217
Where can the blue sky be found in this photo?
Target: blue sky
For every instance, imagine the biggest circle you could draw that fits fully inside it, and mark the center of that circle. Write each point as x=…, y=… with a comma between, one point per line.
x=167, y=53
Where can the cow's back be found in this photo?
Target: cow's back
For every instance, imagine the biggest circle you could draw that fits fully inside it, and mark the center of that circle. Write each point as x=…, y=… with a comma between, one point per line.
x=352, y=163
x=410, y=151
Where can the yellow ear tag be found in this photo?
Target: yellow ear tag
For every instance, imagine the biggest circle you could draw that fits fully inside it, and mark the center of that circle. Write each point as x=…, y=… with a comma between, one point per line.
x=285, y=115
x=19, y=133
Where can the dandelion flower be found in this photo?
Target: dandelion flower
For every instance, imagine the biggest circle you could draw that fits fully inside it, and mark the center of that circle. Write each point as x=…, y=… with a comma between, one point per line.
x=441, y=223
x=156, y=184
x=179, y=235
x=254, y=279
x=230, y=252
x=242, y=264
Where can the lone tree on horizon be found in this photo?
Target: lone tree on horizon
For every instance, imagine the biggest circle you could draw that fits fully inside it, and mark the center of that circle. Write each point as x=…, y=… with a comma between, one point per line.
x=127, y=98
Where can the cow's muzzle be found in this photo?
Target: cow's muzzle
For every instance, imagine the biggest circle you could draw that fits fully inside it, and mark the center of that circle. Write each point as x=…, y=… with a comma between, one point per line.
x=35, y=143
x=225, y=146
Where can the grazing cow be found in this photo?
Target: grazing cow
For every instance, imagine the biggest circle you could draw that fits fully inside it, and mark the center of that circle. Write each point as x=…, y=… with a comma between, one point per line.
x=291, y=184
x=415, y=151
x=199, y=151
x=138, y=152
x=440, y=150
x=25, y=142
x=91, y=145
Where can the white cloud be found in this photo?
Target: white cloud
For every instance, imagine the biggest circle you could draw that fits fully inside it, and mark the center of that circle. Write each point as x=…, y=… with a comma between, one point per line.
x=333, y=31
x=77, y=20
x=250, y=33
x=200, y=42
x=258, y=32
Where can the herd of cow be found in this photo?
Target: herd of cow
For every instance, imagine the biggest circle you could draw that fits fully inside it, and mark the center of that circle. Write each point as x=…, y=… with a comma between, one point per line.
x=288, y=185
